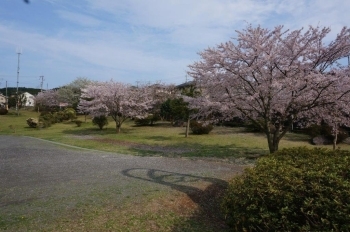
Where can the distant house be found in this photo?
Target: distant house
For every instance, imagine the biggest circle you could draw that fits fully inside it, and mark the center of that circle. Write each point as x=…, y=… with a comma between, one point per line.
x=30, y=99
x=2, y=100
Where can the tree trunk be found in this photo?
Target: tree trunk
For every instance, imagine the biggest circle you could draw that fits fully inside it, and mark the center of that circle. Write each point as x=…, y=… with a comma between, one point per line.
x=273, y=141
x=273, y=145
x=335, y=139
x=117, y=128
x=187, y=127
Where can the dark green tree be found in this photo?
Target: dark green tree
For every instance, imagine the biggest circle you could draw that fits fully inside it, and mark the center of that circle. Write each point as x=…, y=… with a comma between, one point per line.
x=11, y=102
x=177, y=108
x=100, y=121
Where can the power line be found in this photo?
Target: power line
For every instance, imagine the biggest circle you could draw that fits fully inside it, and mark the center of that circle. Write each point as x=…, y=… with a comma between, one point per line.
x=10, y=75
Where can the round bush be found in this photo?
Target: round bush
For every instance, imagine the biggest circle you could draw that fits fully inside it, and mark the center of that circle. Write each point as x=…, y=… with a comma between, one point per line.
x=32, y=122
x=69, y=114
x=58, y=117
x=78, y=122
x=100, y=121
x=3, y=111
x=200, y=129
x=143, y=121
x=292, y=190
x=46, y=119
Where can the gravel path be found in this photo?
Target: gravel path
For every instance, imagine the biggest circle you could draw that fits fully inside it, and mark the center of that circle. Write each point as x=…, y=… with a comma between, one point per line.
x=35, y=172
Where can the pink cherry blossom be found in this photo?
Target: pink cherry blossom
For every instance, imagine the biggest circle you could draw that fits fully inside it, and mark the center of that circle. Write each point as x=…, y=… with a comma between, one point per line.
x=274, y=78
x=118, y=100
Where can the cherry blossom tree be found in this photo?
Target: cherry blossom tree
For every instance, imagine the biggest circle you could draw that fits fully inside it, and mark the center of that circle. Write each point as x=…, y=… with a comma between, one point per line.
x=274, y=78
x=48, y=98
x=120, y=101
x=337, y=113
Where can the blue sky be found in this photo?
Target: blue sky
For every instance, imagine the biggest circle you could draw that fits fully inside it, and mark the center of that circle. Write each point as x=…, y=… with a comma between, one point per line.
x=136, y=40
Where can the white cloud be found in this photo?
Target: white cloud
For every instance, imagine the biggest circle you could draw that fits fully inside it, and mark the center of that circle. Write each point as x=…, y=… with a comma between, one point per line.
x=170, y=14
x=195, y=23
x=81, y=19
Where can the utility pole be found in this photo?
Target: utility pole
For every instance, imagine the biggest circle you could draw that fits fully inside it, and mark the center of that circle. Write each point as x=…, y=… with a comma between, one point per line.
x=41, y=83
x=7, y=99
x=17, y=100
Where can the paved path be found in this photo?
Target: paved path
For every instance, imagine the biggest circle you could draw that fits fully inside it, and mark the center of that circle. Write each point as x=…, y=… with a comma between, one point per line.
x=34, y=171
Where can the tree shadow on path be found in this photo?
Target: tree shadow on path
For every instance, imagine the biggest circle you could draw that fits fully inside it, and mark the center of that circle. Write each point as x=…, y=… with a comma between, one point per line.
x=208, y=216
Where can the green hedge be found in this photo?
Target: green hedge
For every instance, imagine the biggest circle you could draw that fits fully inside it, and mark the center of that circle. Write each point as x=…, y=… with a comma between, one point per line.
x=292, y=190
x=199, y=128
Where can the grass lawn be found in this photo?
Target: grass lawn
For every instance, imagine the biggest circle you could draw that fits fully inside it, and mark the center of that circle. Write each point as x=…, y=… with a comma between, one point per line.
x=159, y=140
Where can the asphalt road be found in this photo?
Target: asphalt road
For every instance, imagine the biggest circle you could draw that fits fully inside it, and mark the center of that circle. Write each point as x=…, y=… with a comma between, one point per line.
x=35, y=172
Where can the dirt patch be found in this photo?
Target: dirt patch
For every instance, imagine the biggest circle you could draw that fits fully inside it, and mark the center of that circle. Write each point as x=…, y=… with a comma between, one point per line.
x=82, y=136
x=138, y=146
x=178, y=211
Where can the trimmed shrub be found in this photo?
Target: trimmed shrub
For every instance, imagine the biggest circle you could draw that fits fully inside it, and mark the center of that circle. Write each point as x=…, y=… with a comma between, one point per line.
x=292, y=190
x=235, y=122
x=69, y=114
x=142, y=121
x=78, y=122
x=32, y=122
x=58, y=117
x=326, y=131
x=3, y=111
x=46, y=119
x=147, y=121
x=200, y=129
x=100, y=121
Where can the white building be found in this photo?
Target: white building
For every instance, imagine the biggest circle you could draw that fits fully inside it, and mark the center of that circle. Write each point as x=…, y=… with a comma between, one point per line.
x=30, y=99
x=2, y=100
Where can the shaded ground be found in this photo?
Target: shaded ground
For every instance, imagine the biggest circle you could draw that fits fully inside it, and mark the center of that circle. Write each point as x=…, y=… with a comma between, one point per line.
x=41, y=182
x=162, y=149
x=227, y=153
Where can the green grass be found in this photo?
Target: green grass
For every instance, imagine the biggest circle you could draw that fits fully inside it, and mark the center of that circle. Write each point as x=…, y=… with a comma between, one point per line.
x=159, y=140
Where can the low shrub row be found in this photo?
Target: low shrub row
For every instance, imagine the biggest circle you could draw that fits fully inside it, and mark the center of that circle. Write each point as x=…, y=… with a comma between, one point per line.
x=47, y=118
